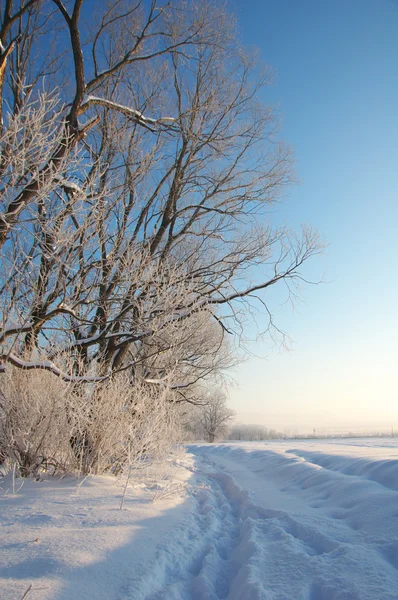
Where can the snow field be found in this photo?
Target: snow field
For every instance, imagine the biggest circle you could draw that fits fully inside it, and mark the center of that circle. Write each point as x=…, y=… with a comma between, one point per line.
x=265, y=520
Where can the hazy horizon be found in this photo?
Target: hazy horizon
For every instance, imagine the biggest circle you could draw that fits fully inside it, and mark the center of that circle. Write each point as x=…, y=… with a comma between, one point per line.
x=306, y=423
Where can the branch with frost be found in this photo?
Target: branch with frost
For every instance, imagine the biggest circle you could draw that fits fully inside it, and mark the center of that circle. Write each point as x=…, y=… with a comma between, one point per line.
x=44, y=179
x=19, y=328
x=180, y=313
x=68, y=186
x=47, y=365
x=102, y=336
x=130, y=113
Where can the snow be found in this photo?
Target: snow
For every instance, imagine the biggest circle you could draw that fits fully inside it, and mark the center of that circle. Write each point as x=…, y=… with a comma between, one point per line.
x=70, y=539
x=126, y=110
x=278, y=520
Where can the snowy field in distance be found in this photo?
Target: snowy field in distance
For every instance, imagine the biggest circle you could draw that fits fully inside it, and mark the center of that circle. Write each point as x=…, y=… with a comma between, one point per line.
x=278, y=520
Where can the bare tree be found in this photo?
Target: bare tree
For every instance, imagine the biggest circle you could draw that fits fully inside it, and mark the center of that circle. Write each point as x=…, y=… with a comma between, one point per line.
x=215, y=416
x=137, y=225
x=27, y=26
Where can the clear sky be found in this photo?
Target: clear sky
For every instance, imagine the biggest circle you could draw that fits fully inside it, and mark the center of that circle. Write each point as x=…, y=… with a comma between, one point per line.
x=336, y=86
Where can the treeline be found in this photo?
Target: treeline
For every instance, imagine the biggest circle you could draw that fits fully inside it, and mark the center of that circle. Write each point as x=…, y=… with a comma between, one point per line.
x=253, y=433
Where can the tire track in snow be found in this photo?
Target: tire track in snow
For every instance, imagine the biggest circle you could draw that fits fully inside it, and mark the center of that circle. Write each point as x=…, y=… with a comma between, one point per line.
x=246, y=535
x=299, y=553
x=216, y=561
x=238, y=550
x=212, y=570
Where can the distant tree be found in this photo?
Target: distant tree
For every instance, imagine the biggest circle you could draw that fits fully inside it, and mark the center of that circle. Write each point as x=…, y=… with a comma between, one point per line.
x=253, y=433
x=215, y=416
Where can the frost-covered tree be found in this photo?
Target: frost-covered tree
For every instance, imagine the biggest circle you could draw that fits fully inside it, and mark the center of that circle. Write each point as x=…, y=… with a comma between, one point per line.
x=138, y=164
x=137, y=167
x=215, y=416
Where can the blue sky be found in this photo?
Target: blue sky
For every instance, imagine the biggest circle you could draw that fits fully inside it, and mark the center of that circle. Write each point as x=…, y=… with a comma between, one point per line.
x=336, y=88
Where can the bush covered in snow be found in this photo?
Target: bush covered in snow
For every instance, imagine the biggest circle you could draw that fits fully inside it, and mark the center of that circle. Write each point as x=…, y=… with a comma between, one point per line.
x=48, y=424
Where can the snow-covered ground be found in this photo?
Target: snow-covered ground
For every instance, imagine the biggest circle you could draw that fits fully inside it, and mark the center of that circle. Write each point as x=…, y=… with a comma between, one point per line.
x=291, y=520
